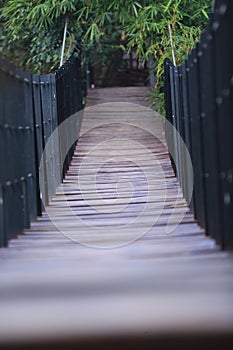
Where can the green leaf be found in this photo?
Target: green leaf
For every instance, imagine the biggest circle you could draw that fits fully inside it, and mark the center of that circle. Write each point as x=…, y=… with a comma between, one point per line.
x=205, y=14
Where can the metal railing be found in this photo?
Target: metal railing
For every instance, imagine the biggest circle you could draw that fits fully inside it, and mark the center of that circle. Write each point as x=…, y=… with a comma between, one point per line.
x=199, y=104
x=31, y=108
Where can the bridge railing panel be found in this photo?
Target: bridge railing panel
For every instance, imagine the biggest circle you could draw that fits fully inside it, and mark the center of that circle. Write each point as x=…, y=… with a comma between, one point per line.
x=18, y=168
x=199, y=104
x=31, y=108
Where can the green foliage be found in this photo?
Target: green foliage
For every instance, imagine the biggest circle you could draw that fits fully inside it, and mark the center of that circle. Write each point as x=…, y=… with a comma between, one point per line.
x=32, y=31
x=148, y=33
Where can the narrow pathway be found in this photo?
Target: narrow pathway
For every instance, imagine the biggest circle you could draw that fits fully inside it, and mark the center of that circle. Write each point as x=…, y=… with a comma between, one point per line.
x=159, y=277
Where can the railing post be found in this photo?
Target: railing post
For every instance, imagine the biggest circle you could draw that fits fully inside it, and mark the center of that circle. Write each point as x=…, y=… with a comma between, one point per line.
x=196, y=137
x=3, y=240
x=210, y=138
x=222, y=29
x=186, y=131
x=38, y=132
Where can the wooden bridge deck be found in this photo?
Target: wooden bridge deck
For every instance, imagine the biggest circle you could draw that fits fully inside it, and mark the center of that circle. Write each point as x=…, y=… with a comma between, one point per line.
x=150, y=286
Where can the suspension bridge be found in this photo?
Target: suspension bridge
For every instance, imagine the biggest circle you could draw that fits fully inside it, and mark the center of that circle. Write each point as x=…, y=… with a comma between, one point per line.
x=122, y=238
